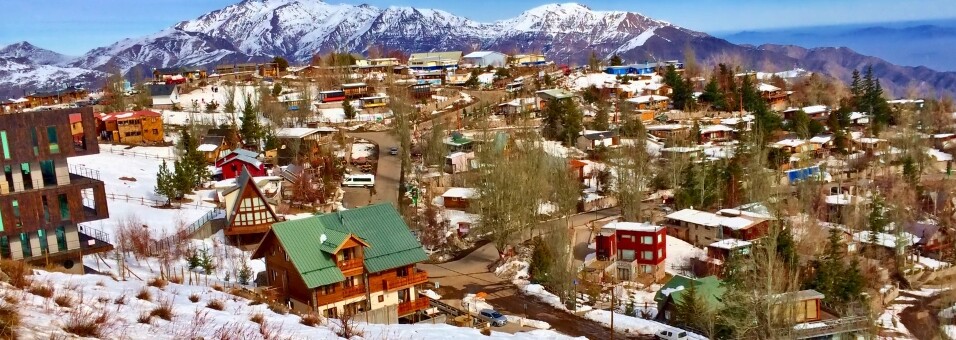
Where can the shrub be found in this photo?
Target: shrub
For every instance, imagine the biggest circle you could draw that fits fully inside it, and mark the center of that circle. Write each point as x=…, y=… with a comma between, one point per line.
x=64, y=300
x=176, y=279
x=164, y=310
x=245, y=274
x=257, y=318
x=194, y=297
x=85, y=324
x=120, y=300
x=41, y=290
x=310, y=319
x=9, y=321
x=144, y=318
x=278, y=309
x=157, y=282
x=9, y=298
x=144, y=294
x=17, y=271
x=215, y=304
x=217, y=288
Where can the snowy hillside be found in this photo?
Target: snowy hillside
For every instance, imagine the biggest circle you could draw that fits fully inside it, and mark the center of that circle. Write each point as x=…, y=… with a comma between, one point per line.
x=19, y=76
x=37, y=55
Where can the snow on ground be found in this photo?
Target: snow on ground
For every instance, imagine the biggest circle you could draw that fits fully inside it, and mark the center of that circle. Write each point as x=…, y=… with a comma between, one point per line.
x=96, y=296
x=925, y=292
x=642, y=298
x=528, y=322
x=638, y=41
x=931, y=263
x=360, y=150
x=431, y=294
x=337, y=115
x=134, y=175
x=516, y=269
x=678, y=253
x=890, y=320
x=539, y=292
x=632, y=325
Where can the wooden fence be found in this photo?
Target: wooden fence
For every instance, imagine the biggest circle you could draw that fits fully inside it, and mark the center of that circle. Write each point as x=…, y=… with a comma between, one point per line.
x=150, y=202
x=124, y=152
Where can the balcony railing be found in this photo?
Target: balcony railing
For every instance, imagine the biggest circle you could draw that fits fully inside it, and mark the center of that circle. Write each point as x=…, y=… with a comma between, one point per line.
x=348, y=292
x=410, y=280
x=83, y=171
x=350, y=264
x=413, y=306
x=94, y=233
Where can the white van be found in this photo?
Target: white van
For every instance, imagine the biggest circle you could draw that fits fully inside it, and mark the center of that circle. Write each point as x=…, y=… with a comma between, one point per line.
x=359, y=181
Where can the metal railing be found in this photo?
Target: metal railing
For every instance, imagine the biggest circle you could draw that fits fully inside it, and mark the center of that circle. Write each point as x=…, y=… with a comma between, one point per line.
x=188, y=231
x=830, y=327
x=97, y=234
x=83, y=171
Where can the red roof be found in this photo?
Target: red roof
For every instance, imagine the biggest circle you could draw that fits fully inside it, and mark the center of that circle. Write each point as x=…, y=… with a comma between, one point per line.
x=107, y=117
x=75, y=118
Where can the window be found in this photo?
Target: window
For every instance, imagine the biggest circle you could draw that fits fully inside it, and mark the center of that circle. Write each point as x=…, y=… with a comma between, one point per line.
x=155, y=131
x=660, y=253
x=647, y=240
x=16, y=212
x=46, y=209
x=48, y=171
x=25, y=245
x=27, y=176
x=381, y=298
x=35, y=141
x=64, y=207
x=660, y=238
x=646, y=269
x=6, y=146
x=647, y=255
x=626, y=254
x=61, y=238
x=54, y=141
x=5, y=247
x=8, y=175
x=44, y=247
x=401, y=272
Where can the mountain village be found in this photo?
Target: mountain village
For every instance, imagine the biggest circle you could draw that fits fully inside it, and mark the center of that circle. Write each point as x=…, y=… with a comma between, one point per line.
x=403, y=193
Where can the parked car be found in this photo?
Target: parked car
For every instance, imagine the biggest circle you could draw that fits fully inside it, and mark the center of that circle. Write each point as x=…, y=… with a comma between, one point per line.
x=393, y=151
x=669, y=334
x=496, y=319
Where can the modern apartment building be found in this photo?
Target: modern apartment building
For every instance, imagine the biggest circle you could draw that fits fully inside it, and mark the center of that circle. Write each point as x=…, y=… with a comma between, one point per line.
x=44, y=200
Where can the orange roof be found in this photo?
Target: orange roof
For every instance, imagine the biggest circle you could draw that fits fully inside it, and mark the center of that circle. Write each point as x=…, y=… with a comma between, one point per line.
x=75, y=118
x=107, y=117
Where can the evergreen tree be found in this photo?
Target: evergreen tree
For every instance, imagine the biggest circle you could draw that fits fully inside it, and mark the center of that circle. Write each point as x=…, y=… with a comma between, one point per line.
x=183, y=177
x=593, y=62
x=787, y=248
x=616, y=60
x=713, y=95
x=682, y=93
x=691, y=308
x=601, y=118
x=573, y=122
x=349, y=110
x=695, y=133
x=553, y=122
x=800, y=124
x=250, y=129
x=877, y=219
x=281, y=63
x=276, y=89
x=856, y=91
x=686, y=193
x=839, y=284
x=165, y=183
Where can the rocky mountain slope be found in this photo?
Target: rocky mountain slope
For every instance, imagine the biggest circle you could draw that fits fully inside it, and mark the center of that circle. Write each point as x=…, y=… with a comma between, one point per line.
x=566, y=33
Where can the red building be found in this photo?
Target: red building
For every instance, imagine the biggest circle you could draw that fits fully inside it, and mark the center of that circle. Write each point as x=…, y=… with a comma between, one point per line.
x=233, y=163
x=634, y=250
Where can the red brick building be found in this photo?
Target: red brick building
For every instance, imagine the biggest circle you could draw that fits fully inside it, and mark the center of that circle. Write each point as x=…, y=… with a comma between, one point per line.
x=635, y=250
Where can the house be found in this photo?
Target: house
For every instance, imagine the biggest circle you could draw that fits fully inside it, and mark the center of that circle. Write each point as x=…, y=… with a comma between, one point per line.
x=800, y=307
x=815, y=112
x=718, y=253
x=457, y=162
x=933, y=239
x=546, y=96
x=355, y=90
x=233, y=163
x=249, y=214
x=890, y=244
x=213, y=147
x=373, y=102
x=457, y=142
x=710, y=288
x=643, y=69
x=136, y=127
x=702, y=228
x=517, y=106
x=301, y=142
x=666, y=131
x=64, y=96
x=589, y=139
x=167, y=75
x=635, y=250
x=776, y=97
x=434, y=61
x=657, y=89
x=76, y=126
x=43, y=199
x=14, y=105
x=485, y=59
x=716, y=133
x=527, y=60
x=458, y=198
x=358, y=262
x=164, y=96
x=650, y=102
x=420, y=91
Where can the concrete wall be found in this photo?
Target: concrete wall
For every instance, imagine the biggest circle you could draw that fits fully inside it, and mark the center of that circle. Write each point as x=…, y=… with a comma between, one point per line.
x=387, y=315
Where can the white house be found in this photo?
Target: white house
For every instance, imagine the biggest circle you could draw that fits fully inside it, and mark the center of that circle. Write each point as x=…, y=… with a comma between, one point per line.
x=485, y=59
x=165, y=96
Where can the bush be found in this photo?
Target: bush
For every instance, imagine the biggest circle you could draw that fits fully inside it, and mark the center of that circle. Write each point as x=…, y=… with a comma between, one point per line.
x=85, y=324
x=9, y=321
x=257, y=318
x=41, y=290
x=310, y=319
x=11, y=299
x=278, y=309
x=64, y=300
x=176, y=279
x=245, y=274
x=120, y=300
x=157, y=282
x=18, y=271
x=194, y=297
x=217, y=288
x=215, y=304
x=164, y=310
x=144, y=294
x=144, y=318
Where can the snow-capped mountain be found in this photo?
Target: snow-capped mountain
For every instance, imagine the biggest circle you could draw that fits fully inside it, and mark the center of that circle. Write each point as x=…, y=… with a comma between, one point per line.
x=25, y=68
x=36, y=55
x=298, y=29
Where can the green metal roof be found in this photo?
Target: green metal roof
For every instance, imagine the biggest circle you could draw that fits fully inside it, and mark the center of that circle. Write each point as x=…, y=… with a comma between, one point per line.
x=556, y=93
x=710, y=288
x=310, y=242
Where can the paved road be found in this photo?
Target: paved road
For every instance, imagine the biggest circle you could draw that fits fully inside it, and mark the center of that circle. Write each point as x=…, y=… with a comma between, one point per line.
x=386, y=178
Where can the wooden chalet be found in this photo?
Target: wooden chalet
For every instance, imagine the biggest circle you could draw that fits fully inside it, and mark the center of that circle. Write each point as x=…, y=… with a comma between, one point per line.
x=137, y=127
x=359, y=262
x=249, y=214
x=238, y=160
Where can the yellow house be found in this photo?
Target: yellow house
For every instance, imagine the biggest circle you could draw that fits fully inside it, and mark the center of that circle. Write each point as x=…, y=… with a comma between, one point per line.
x=525, y=60
x=138, y=127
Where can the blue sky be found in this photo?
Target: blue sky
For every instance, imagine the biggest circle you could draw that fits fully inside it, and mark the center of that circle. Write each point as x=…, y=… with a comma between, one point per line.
x=75, y=26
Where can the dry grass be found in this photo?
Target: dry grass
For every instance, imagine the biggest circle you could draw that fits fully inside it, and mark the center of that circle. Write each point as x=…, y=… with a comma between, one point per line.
x=18, y=272
x=144, y=294
x=86, y=324
x=41, y=290
x=64, y=300
x=310, y=320
x=9, y=321
x=216, y=304
x=217, y=288
x=279, y=309
x=9, y=298
x=176, y=279
x=157, y=282
x=194, y=297
x=144, y=318
x=257, y=318
x=164, y=310
x=120, y=300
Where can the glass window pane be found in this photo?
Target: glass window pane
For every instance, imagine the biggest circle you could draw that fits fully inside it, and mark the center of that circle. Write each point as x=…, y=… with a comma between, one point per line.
x=6, y=146
x=64, y=207
x=5, y=246
x=25, y=245
x=41, y=236
x=51, y=136
x=61, y=238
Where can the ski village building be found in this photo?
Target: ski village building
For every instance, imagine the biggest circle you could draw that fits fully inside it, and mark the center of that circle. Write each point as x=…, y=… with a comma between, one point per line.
x=42, y=200
x=359, y=262
x=632, y=251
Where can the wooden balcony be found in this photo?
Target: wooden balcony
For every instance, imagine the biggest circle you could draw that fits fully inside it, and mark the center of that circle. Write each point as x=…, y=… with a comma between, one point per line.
x=352, y=264
x=409, y=307
x=410, y=280
x=348, y=292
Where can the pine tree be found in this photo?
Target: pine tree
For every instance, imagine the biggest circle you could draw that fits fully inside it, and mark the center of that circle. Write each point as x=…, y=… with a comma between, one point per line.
x=695, y=133
x=276, y=89
x=616, y=60
x=573, y=122
x=856, y=91
x=601, y=118
x=165, y=183
x=713, y=95
x=686, y=195
x=349, y=110
x=877, y=219
x=691, y=308
x=250, y=129
x=183, y=177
